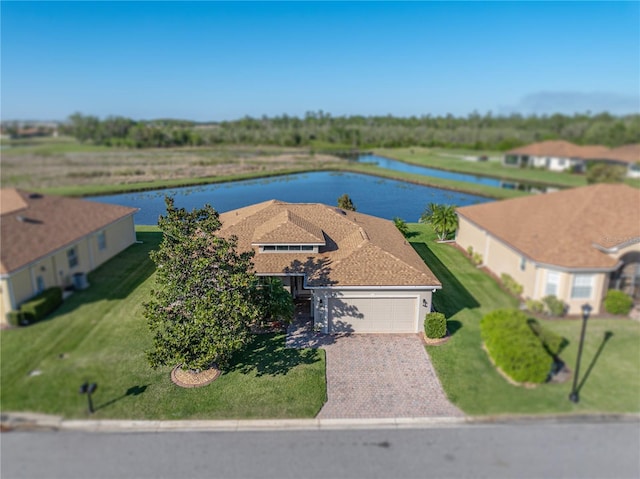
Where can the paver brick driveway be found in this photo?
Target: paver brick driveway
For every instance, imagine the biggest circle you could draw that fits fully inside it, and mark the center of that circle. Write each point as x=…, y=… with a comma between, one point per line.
x=377, y=375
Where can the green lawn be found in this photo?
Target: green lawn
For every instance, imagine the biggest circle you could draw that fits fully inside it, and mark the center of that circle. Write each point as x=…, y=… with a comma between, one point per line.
x=610, y=370
x=99, y=335
x=433, y=159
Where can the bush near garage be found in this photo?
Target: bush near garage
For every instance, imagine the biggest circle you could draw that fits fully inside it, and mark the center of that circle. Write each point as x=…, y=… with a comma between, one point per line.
x=435, y=325
x=514, y=347
x=617, y=302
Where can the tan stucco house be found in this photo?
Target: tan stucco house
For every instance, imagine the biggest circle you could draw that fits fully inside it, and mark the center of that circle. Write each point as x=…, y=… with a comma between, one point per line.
x=359, y=272
x=560, y=155
x=574, y=244
x=45, y=240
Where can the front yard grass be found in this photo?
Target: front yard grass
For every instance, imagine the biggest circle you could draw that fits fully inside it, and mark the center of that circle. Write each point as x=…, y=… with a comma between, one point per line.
x=99, y=335
x=609, y=371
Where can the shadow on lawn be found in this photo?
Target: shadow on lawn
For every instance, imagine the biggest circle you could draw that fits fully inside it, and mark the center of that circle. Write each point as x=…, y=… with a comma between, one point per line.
x=268, y=356
x=454, y=297
x=118, y=277
x=607, y=336
x=132, y=391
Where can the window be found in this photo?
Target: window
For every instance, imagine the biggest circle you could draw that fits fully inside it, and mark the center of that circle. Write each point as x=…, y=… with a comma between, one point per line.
x=102, y=241
x=523, y=263
x=40, y=284
x=285, y=247
x=72, y=257
x=582, y=286
x=553, y=279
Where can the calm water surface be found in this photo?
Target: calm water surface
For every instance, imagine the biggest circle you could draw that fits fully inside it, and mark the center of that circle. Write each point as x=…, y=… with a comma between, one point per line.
x=371, y=195
x=396, y=165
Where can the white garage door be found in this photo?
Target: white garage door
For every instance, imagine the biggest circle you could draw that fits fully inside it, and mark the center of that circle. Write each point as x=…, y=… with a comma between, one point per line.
x=372, y=315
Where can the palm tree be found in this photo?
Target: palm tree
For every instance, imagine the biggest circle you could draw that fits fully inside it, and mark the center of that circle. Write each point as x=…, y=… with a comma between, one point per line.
x=443, y=218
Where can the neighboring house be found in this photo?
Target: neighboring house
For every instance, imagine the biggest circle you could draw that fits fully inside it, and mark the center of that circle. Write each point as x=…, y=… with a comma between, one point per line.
x=46, y=240
x=360, y=273
x=560, y=155
x=574, y=244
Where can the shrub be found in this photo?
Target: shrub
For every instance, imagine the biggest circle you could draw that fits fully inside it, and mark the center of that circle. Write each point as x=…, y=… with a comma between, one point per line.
x=41, y=305
x=14, y=318
x=476, y=258
x=535, y=306
x=552, y=342
x=555, y=307
x=470, y=251
x=401, y=225
x=514, y=347
x=435, y=325
x=512, y=286
x=616, y=302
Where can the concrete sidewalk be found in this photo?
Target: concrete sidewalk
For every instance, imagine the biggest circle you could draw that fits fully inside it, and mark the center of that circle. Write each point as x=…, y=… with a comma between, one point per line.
x=43, y=422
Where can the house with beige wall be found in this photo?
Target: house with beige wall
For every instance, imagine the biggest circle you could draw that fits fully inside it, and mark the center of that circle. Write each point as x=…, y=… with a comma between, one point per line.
x=357, y=271
x=574, y=244
x=560, y=155
x=48, y=240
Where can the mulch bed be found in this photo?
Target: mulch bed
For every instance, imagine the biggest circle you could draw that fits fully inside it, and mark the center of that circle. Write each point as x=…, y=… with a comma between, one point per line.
x=192, y=379
x=435, y=342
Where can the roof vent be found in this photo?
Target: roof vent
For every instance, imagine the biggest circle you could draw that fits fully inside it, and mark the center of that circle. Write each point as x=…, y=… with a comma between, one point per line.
x=24, y=219
x=342, y=212
x=35, y=196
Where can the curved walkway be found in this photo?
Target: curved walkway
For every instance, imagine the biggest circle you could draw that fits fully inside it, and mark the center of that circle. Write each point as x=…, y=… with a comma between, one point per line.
x=375, y=375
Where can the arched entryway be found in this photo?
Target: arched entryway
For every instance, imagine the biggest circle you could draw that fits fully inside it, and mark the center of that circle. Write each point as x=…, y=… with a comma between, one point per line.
x=627, y=277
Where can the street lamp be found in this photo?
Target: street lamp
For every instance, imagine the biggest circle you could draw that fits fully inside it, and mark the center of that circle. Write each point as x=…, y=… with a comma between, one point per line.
x=586, y=310
x=88, y=389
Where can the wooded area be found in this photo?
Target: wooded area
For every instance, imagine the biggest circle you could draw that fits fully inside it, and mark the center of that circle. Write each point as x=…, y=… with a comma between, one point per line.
x=322, y=132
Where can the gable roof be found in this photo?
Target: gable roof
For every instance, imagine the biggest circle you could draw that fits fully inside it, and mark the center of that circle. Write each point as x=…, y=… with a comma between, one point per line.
x=357, y=249
x=569, y=228
x=34, y=225
x=626, y=153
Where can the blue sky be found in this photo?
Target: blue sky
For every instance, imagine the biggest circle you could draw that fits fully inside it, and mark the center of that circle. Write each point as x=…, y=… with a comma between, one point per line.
x=220, y=61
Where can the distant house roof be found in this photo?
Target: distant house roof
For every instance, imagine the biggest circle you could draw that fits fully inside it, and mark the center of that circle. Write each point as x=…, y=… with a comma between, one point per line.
x=34, y=225
x=627, y=153
x=568, y=228
x=565, y=149
x=356, y=249
x=561, y=149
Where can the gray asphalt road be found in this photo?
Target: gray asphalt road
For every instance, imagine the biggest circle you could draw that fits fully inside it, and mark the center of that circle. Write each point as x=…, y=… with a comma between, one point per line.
x=535, y=450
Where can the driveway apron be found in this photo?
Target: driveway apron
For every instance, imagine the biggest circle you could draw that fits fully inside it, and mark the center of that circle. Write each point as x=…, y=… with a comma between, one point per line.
x=376, y=375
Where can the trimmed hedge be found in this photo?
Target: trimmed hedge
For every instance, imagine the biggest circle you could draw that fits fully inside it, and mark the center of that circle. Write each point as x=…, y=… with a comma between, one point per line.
x=514, y=347
x=511, y=284
x=40, y=306
x=435, y=325
x=555, y=306
x=534, y=306
x=616, y=302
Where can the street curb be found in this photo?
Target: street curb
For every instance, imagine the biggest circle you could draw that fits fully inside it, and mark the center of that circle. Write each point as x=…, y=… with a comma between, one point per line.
x=30, y=421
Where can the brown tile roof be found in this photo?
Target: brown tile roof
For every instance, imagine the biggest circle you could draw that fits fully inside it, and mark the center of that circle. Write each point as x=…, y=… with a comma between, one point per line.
x=627, y=153
x=562, y=149
x=33, y=225
x=563, y=228
x=360, y=250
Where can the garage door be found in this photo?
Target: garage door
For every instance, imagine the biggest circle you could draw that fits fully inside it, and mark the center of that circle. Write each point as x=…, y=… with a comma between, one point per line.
x=372, y=315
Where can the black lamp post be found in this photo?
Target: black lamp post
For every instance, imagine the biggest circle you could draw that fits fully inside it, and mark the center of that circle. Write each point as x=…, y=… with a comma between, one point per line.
x=88, y=389
x=586, y=310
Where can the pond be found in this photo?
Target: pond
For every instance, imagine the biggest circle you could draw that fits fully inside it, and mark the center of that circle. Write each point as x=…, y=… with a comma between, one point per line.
x=371, y=195
x=396, y=165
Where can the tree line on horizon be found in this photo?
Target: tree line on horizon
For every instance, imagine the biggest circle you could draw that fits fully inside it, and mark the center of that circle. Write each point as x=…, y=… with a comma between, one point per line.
x=320, y=131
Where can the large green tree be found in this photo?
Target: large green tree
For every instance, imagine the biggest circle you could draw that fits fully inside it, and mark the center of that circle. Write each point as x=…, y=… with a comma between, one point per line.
x=600, y=172
x=206, y=294
x=443, y=218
